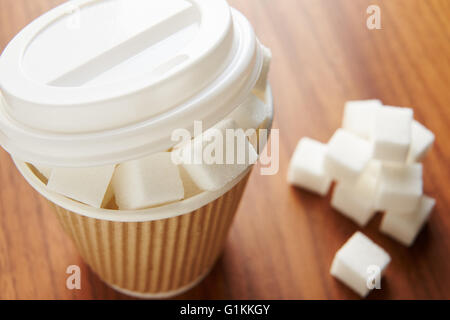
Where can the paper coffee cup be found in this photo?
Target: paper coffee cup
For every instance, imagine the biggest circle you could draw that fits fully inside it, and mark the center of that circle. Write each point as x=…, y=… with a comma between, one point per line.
x=154, y=253
x=93, y=94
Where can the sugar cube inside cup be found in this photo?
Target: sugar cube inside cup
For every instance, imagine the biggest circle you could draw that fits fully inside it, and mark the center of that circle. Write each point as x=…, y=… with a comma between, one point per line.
x=356, y=201
x=86, y=185
x=359, y=117
x=392, y=133
x=400, y=187
x=147, y=182
x=421, y=141
x=405, y=228
x=347, y=156
x=306, y=168
x=250, y=114
x=210, y=164
x=360, y=264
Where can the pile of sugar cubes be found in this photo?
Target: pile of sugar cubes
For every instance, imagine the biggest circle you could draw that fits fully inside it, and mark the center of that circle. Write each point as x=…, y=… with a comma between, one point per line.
x=375, y=161
x=157, y=180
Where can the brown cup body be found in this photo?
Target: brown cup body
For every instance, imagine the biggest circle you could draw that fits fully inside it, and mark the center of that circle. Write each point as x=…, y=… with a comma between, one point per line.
x=158, y=258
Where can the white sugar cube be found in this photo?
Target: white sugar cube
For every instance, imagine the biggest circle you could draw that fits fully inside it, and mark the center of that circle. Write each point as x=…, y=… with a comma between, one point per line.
x=421, y=141
x=306, y=168
x=360, y=263
x=405, y=228
x=359, y=117
x=86, y=185
x=347, y=156
x=357, y=200
x=216, y=157
x=400, y=187
x=147, y=182
x=261, y=84
x=392, y=133
x=251, y=114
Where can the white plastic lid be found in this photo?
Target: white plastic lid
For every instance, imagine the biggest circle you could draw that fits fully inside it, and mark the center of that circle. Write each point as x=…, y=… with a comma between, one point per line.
x=95, y=82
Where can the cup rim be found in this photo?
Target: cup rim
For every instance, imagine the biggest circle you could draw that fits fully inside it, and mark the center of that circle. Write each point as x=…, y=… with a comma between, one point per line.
x=167, y=211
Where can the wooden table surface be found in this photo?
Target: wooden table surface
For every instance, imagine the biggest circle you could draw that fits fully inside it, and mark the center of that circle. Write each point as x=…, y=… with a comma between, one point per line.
x=283, y=240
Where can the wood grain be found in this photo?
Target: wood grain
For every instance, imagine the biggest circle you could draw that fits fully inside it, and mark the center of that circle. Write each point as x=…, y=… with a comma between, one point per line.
x=283, y=239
